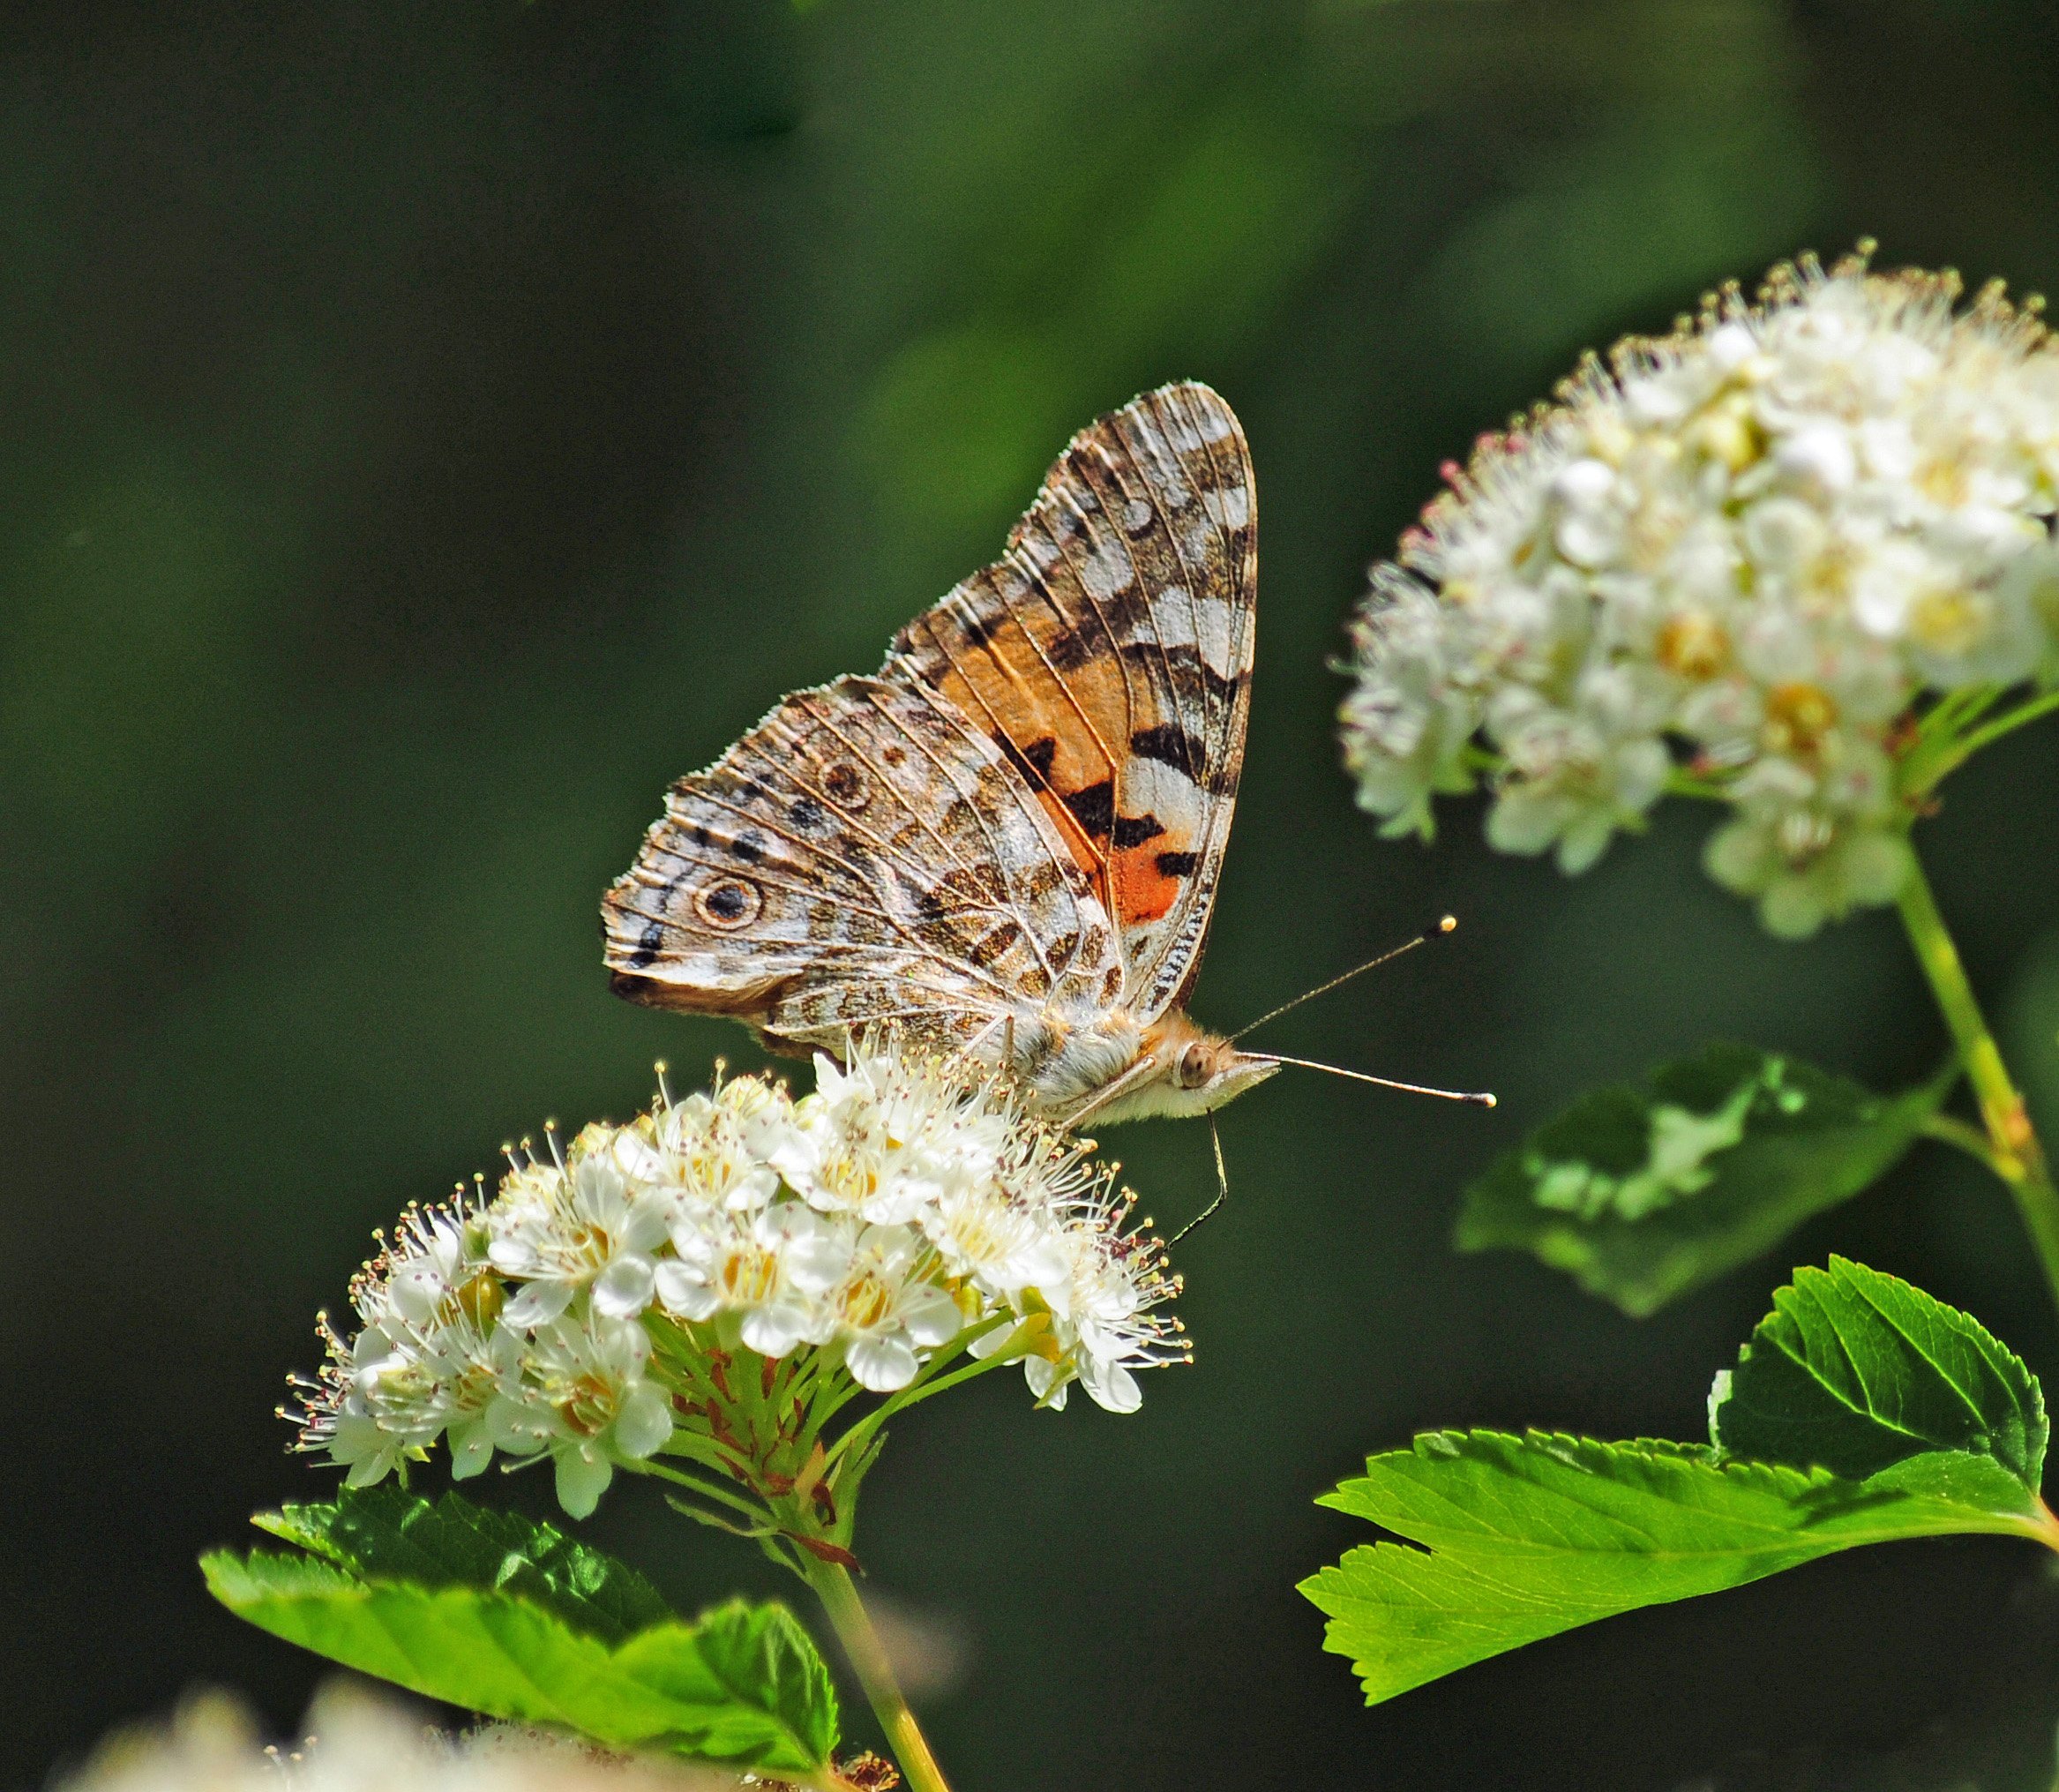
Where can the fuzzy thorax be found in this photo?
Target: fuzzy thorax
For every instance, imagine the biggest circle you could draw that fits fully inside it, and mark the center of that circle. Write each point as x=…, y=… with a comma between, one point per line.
x=1176, y=1068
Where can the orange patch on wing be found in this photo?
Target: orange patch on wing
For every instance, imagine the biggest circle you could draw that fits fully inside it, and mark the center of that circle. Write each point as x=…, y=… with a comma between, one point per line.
x=1142, y=891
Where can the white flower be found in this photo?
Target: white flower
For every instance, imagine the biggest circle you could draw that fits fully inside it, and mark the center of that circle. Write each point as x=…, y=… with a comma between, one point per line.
x=884, y=1137
x=436, y=1252
x=601, y=1301
x=1001, y=1243
x=1758, y=543
x=1109, y=1325
x=883, y=1309
x=589, y=1225
x=713, y=1149
x=427, y=1361
x=583, y=1398
x=759, y=1266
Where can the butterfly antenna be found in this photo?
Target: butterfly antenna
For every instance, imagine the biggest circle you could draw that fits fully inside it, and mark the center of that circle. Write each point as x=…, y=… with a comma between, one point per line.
x=1446, y=924
x=1222, y=1187
x=1473, y=1098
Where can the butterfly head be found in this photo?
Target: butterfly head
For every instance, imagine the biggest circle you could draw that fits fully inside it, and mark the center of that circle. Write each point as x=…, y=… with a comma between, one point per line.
x=1191, y=1071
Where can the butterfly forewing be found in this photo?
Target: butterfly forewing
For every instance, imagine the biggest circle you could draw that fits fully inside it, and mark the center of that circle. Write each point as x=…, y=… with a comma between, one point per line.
x=1014, y=831
x=1109, y=653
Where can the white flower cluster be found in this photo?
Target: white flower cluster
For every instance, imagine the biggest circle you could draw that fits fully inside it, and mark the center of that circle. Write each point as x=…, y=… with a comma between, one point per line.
x=1739, y=555
x=878, y=1220
x=357, y=1742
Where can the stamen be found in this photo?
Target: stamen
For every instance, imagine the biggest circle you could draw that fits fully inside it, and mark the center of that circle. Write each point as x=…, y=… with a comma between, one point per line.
x=1222, y=1190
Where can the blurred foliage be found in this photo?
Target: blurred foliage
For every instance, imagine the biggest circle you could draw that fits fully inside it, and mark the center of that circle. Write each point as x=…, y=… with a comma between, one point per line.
x=432, y=428
x=1642, y=1191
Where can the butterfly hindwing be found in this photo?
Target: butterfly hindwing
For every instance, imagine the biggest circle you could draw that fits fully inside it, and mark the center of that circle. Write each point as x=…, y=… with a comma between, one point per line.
x=1108, y=654
x=862, y=855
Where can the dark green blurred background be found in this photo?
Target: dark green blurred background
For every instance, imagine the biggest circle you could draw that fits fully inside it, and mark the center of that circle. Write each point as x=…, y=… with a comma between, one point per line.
x=430, y=429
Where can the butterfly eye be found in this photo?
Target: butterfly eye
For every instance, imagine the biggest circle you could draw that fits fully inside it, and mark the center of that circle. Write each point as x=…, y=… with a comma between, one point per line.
x=728, y=904
x=1193, y=1067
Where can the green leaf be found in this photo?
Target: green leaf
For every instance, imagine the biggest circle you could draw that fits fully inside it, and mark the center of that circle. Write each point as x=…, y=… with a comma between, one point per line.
x=1643, y=1191
x=1856, y=1371
x=486, y=1611
x=1520, y=1538
x=385, y=1532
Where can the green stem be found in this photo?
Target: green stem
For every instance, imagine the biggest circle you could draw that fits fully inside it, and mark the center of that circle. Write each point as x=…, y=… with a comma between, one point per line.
x=1949, y=1128
x=1950, y=739
x=929, y=1381
x=705, y=1489
x=1680, y=782
x=2008, y=722
x=861, y=1642
x=2017, y=1156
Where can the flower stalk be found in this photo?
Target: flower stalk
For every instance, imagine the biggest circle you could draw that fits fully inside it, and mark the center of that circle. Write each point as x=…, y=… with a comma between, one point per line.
x=853, y=1625
x=2015, y=1152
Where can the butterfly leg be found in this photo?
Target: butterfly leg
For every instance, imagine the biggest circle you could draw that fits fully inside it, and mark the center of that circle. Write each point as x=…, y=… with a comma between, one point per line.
x=1222, y=1187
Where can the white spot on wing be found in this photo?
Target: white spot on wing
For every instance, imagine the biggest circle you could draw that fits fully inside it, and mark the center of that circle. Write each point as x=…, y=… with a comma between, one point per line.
x=1108, y=569
x=1172, y=617
x=1215, y=636
x=1230, y=505
x=1151, y=787
x=1153, y=454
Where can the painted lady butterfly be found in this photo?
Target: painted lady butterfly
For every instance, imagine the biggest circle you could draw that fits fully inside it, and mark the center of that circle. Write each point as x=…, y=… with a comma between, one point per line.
x=1006, y=841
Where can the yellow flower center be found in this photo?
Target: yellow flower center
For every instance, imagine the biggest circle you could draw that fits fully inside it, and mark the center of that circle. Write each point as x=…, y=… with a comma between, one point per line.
x=851, y=1179
x=1949, y=620
x=480, y=1300
x=591, y=1243
x=1798, y=716
x=1694, y=645
x=865, y=1301
x=749, y=1275
x=1727, y=432
x=589, y=1405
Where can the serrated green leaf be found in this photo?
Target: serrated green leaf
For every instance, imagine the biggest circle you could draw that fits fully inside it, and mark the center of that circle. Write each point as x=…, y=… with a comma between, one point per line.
x=1856, y=1371
x=1643, y=1191
x=386, y=1533
x=1517, y=1539
x=486, y=1611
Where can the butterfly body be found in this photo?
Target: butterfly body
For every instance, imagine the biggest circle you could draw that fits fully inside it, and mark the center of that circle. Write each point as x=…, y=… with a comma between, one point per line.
x=1006, y=841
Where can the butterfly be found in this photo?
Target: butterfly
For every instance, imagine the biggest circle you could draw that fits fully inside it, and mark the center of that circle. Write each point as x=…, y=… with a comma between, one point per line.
x=1005, y=842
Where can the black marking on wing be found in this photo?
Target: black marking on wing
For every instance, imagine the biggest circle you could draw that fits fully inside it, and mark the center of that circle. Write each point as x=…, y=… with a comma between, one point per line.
x=1034, y=761
x=1093, y=808
x=1169, y=743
